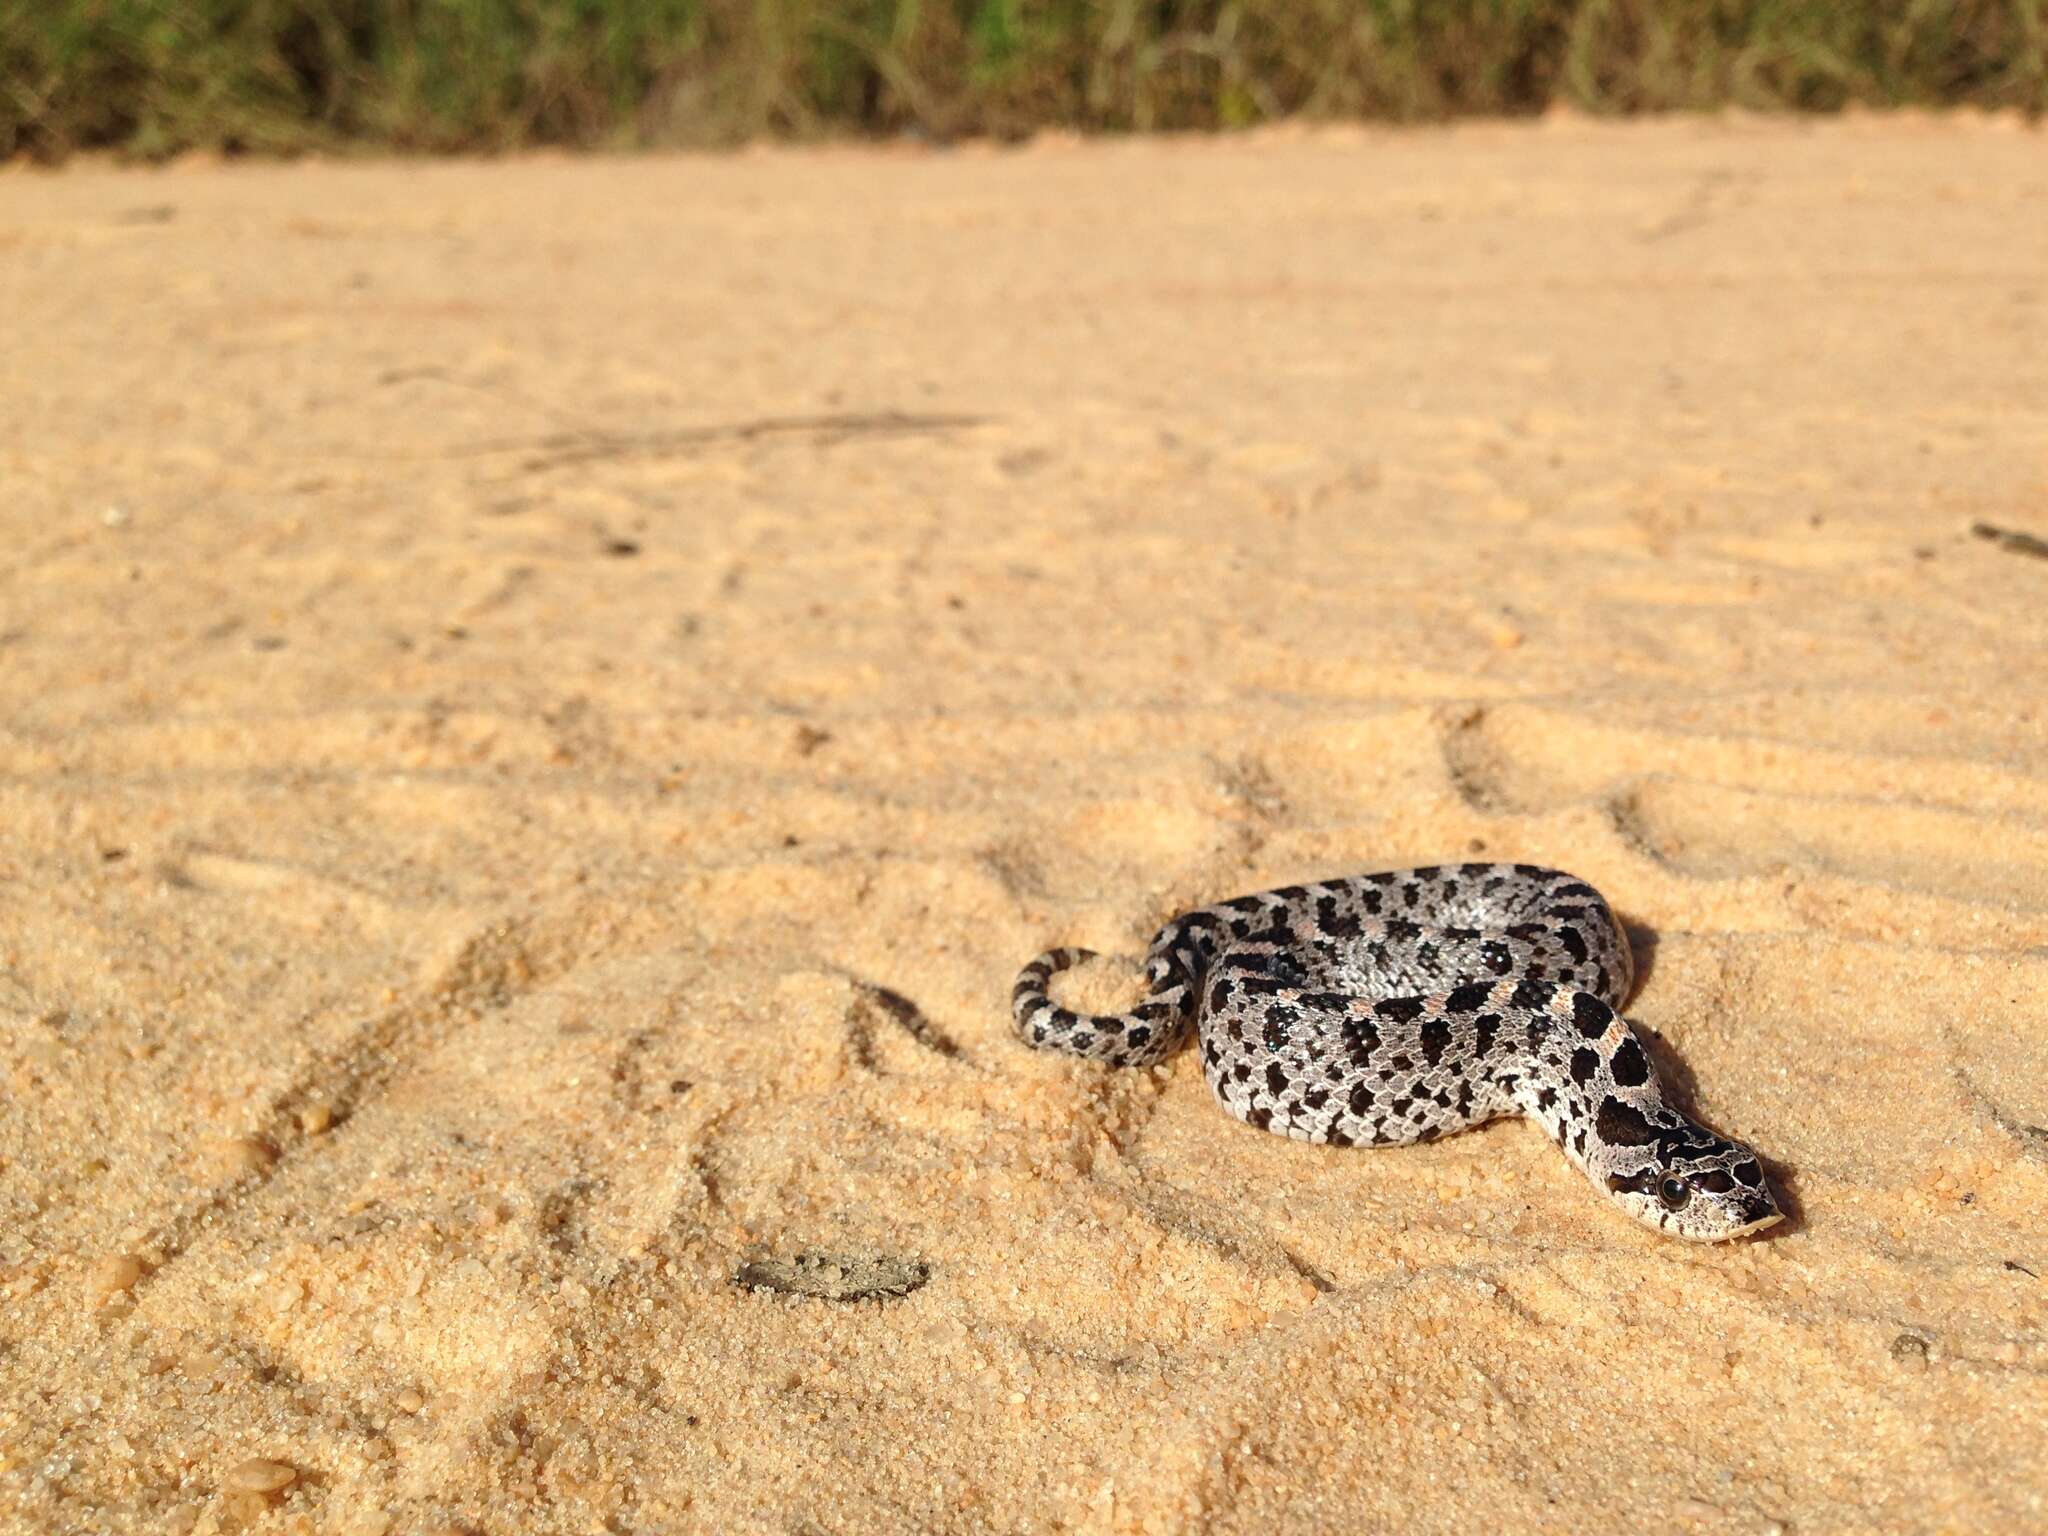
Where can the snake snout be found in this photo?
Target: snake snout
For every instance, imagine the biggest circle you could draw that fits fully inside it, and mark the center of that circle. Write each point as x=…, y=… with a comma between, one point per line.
x=1753, y=1211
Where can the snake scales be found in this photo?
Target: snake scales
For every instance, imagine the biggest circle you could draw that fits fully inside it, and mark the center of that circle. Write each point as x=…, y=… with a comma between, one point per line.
x=1387, y=1009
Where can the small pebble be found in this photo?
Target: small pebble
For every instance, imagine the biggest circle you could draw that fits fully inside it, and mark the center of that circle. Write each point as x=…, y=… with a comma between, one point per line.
x=242, y=1155
x=1909, y=1352
x=261, y=1475
x=411, y=1400
x=201, y=1364
x=114, y=1275
x=314, y=1119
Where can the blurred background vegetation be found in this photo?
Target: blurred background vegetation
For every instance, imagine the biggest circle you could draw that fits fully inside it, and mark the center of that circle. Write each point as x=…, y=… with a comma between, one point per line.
x=154, y=77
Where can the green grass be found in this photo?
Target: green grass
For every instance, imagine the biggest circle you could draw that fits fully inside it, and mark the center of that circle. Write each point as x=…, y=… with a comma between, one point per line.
x=153, y=77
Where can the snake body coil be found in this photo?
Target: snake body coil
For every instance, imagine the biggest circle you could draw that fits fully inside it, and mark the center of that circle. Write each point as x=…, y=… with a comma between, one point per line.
x=1391, y=1008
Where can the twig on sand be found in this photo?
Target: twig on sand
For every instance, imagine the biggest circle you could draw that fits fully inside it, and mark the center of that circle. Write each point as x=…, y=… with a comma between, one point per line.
x=579, y=442
x=2012, y=539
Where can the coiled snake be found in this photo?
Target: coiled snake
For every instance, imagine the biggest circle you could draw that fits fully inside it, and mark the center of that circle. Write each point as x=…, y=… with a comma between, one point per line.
x=1390, y=1008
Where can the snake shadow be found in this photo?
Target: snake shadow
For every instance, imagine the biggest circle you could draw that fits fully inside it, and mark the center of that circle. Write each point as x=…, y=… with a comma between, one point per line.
x=1682, y=1088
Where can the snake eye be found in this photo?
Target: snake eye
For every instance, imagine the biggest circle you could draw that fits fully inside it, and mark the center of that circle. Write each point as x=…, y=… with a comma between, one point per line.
x=1673, y=1192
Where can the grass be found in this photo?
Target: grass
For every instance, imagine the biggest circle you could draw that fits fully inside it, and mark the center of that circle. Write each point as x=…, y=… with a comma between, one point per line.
x=153, y=77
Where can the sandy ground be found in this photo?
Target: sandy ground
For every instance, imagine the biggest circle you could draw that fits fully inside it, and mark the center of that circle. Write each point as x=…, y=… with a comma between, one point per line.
x=544, y=704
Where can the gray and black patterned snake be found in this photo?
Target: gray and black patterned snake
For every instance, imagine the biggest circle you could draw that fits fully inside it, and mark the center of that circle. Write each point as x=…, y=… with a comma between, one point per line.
x=1390, y=1008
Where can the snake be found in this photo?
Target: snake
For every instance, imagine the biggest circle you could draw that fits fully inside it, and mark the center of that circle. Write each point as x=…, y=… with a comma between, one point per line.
x=1392, y=1008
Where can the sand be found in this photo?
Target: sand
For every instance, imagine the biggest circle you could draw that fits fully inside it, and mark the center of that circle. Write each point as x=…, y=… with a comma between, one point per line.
x=545, y=703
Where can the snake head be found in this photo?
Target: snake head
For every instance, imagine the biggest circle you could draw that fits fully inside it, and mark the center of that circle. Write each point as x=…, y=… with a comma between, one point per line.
x=1708, y=1192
